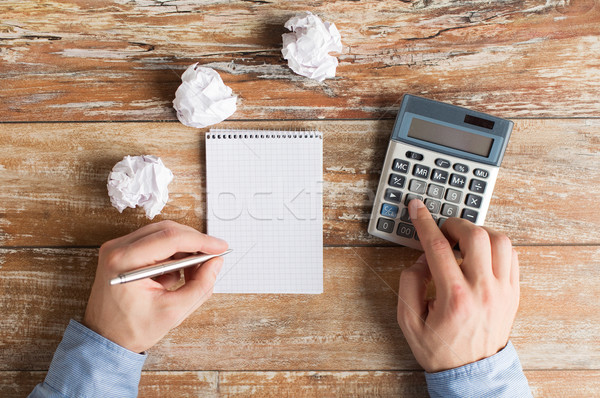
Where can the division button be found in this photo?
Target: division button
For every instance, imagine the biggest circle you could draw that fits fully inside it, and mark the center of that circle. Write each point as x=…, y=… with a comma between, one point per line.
x=477, y=185
x=385, y=225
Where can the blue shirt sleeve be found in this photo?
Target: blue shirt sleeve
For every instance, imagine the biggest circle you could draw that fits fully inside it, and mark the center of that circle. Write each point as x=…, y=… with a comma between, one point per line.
x=498, y=376
x=86, y=364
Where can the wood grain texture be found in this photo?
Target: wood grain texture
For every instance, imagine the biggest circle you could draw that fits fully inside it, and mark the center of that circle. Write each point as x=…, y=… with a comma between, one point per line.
x=547, y=384
x=54, y=180
x=351, y=326
x=103, y=60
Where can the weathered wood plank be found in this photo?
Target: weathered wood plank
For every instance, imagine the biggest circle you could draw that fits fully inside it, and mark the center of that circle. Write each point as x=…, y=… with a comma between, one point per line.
x=351, y=326
x=103, y=60
x=551, y=383
x=54, y=180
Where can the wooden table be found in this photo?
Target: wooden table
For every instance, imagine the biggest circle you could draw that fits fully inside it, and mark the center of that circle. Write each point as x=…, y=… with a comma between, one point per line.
x=84, y=83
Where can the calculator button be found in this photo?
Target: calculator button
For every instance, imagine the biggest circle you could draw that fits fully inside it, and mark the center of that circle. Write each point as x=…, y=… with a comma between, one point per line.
x=442, y=163
x=405, y=230
x=414, y=155
x=417, y=186
x=397, y=180
x=461, y=168
x=452, y=195
x=470, y=215
x=441, y=221
x=385, y=225
x=449, y=210
x=400, y=165
x=391, y=195
x=477, y=186
x=440, y=176
x=433, y=205
x=404, y=216
x=473, y=200
x=458, y=180
x=389, y=210
x=435, y=191
x=481, y=173
x=421, y=171
x=410, y=197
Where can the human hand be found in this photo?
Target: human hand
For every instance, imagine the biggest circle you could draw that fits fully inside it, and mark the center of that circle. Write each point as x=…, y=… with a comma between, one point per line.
x=136, y=315
x=476, y=299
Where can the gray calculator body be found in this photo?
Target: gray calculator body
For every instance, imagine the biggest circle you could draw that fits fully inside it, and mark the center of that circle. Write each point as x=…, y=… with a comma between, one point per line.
x=445, y=155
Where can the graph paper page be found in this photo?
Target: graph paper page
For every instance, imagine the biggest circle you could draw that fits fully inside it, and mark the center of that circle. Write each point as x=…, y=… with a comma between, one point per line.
x=265, y=198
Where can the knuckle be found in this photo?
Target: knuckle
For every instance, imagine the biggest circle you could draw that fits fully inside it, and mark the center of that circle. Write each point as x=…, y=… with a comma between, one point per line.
x=169, y=231
x=438, y=244
x=113, y=256
x=503, y=243
x=479, y=235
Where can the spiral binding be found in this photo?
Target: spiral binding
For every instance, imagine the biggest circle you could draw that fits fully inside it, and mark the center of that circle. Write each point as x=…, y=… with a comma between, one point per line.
x=219, y=134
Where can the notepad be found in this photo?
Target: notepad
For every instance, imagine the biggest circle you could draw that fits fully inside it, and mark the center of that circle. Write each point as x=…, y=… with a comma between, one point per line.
x=265, y=198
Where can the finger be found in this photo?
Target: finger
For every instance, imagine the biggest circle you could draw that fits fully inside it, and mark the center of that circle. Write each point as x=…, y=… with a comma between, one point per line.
x=475, y=248
x=412, y=303
x=502, y=254
x=197, y=289
x=514, y=270
x=166, y=242
x=440, y=258
x=169, y=280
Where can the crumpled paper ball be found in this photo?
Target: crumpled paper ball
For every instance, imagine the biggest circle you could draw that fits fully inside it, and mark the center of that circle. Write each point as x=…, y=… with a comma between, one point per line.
x=140, y=181
x=307, y=48
x=203, y=99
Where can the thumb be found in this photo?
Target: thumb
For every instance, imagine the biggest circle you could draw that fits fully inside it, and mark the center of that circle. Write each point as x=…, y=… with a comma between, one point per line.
x=412, y=302
x=197, y=289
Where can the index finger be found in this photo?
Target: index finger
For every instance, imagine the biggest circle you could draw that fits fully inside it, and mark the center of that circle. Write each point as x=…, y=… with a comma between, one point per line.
x=162, y=244
x=440, y=257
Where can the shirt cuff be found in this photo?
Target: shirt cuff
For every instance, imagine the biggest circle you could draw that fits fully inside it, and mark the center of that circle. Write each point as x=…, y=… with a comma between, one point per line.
x=500, y=375
x=86, y=364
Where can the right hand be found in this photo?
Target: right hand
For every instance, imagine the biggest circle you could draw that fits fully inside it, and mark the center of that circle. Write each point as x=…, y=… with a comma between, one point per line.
x=476, y=300
x=136, y=315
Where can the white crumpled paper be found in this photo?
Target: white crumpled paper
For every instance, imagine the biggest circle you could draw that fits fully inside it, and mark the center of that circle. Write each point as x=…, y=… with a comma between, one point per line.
x=203, y=99
x=139, y=181
x=307, y=48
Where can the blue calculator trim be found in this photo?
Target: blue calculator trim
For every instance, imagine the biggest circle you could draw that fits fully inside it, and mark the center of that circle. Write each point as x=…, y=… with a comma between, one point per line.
x=451, y=116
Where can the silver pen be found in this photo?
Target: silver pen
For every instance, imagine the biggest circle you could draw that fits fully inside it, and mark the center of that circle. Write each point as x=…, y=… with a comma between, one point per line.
x=164, y=267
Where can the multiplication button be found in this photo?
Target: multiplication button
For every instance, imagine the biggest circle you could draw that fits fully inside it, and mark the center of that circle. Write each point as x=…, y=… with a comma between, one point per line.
x=473, y=201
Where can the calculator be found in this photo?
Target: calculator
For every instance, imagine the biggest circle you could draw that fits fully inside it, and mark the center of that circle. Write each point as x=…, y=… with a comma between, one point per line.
x=445, y=155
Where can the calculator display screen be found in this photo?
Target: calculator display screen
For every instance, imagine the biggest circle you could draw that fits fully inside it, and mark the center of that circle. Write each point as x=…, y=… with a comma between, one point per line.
x=450, y=137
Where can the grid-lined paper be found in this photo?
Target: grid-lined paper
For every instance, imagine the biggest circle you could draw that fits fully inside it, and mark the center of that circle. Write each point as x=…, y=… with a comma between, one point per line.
x=265, y=198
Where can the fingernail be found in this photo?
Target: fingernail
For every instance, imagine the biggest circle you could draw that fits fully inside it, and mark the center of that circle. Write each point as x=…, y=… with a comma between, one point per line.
x=413, y=208
x=422, y=259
